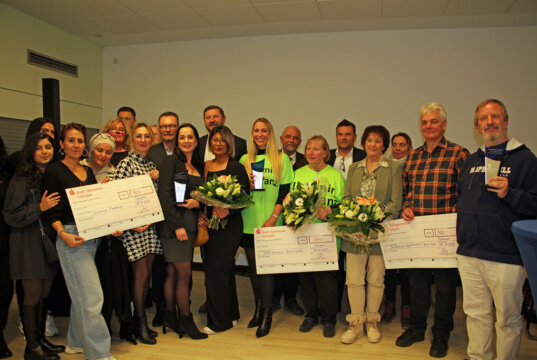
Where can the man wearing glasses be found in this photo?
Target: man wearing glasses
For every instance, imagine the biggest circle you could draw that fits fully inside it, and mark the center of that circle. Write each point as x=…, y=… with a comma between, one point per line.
x=168, y=125
x=345, y=154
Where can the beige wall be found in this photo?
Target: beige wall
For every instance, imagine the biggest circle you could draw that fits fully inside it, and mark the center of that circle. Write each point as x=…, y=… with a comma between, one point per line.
x=20, y=83
x=315, y=80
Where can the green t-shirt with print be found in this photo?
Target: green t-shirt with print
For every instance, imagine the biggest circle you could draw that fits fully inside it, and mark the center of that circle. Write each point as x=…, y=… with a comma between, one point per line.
x=254, y=216
x=329, y=176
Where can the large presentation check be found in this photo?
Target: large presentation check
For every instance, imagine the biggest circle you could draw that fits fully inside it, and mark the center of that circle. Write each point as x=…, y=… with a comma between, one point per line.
x=279, y=249
x=425, y=242
x=101, y=209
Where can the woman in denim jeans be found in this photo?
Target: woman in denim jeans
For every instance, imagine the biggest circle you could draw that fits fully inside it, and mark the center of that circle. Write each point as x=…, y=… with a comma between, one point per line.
x=87, y=329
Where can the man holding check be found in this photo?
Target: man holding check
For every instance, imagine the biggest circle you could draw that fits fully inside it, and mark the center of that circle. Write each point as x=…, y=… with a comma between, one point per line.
x=430, y=188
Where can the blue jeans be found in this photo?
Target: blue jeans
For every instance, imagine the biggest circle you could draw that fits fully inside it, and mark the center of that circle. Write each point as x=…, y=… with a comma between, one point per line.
x=87, y=328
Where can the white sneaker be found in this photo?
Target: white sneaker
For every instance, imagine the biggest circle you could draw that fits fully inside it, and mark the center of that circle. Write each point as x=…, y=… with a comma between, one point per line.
x=373, y=333
x=50, y=326
x=73, y=350
x=234, y=322
x=354, y=331
x=207, y=330
x=107, y=358
x=21, y=328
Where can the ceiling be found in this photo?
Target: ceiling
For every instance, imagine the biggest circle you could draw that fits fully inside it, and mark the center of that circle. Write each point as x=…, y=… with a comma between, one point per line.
x=123, y=22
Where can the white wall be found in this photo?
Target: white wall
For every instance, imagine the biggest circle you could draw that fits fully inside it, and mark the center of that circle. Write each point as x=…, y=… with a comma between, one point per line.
x=315, y=80
x=20, y=83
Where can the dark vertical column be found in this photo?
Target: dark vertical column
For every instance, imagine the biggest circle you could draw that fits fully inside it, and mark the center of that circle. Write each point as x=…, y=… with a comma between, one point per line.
x=51, y=100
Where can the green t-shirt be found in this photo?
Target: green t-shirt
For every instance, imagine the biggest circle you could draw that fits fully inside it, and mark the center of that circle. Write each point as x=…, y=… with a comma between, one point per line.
x=254, y=216
x=329, y=176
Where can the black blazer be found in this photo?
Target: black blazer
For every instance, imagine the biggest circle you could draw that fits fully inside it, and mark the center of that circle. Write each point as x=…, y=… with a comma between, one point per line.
x=240, y=147
x=300, y=161
x=157, y=154
x=357, y=155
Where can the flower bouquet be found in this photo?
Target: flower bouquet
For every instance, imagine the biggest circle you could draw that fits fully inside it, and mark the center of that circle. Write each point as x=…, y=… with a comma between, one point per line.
x=222, y=191
x=355, y=219
x=300, y=205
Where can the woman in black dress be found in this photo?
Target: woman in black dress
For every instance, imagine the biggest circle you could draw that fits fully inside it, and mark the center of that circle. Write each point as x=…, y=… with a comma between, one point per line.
x=222, y=303
x=28, y=263
x=179, y=230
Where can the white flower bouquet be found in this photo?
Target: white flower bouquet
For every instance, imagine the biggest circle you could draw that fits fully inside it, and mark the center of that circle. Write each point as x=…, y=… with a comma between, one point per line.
x=222, y=191
x=355, y=219
x=300, y=205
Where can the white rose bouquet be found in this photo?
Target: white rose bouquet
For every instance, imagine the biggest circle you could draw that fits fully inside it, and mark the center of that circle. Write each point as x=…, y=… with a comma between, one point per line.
x=356, y=219
x=300, y=204
x=222, y=191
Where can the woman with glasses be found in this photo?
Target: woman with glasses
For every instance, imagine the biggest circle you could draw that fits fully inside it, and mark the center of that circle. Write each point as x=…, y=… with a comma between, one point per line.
x=87, y=329
x=222, y=303
x=375, y=176
x=278, y=175
x=23, y=207
x=141, y=243
x=318, y=290
x=117, y=128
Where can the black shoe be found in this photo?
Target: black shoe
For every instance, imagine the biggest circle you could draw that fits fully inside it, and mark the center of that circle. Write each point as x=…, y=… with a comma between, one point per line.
x=291, y=306
x=329, y=330
x=265, y=323
x=188, y=326
x=256, y=319
x=389, y=313
x=51, y=348
x=39, y=354
x=203, y=308
x=159, y=315
x=143, y=331
x=48, y=347
x=409, y=337
x=308, y=324
x=126, y=331
x=439, y=348
x=4, y=350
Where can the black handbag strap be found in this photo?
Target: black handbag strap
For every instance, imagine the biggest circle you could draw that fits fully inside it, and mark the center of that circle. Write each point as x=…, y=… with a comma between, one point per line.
x=39, y=218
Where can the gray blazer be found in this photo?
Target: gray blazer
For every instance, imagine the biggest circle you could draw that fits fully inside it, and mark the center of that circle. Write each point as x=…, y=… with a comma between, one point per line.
x=388, y=191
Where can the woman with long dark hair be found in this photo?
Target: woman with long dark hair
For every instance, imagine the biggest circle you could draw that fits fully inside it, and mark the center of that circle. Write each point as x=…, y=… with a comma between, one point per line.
x=28, y=261
x=179, y=230
x=141, y=243
x=87, y=329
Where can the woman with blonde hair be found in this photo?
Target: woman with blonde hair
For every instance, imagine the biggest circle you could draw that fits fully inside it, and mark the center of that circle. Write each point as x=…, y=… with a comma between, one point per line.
x=277, y=177
x=117, y=128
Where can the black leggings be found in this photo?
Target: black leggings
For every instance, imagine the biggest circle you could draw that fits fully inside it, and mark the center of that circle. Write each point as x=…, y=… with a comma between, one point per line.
x=262, y=285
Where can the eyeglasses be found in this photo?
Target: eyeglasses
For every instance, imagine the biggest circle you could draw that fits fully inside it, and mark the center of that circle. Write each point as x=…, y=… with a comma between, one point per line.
x=342, y=165
x=169, y=126
x=121, y=130
x=218, y=141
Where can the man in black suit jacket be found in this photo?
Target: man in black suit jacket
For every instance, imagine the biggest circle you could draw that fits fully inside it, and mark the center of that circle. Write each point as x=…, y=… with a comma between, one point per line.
x=346, y=153
x=291, y=140
x=214, y=116
x=168, y=125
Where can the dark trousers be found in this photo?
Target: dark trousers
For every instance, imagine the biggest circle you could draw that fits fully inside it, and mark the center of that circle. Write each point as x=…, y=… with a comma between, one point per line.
x=6, y=287
x=286, y=284
x=318, y=291
x=390, y=286
x=420, y=299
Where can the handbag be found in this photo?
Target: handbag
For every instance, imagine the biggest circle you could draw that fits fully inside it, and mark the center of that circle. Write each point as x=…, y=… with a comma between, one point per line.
x=203, y=234
x=51, y=255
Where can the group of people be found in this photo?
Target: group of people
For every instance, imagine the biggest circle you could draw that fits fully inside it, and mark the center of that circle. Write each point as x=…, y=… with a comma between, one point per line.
x=108, y=274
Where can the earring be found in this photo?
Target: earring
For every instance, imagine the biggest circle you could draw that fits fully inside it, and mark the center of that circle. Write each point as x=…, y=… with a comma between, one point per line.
x=62, y=153
x=85, y=153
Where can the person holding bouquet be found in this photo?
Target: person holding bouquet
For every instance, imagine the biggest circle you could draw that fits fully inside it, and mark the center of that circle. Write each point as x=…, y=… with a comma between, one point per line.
x=318, y=290
x=179, y=230
x=222, y=303
x=375, y=176
x=277, y=177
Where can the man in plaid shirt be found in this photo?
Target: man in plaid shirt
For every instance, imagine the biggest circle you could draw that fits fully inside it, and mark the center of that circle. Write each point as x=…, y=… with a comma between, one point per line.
x=430, y=187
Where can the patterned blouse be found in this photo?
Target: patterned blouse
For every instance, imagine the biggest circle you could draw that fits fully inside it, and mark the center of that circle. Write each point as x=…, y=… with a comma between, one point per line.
x=138, y=244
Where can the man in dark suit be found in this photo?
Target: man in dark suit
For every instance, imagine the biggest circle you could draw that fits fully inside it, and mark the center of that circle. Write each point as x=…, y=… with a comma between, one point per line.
x=214, y=116
x=287, y=284
x=341, y=159
x=168, y=125
x=291, y=140
x=346, y=153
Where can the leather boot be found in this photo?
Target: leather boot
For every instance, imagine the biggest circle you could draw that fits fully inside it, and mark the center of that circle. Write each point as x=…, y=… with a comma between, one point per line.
x=170, y=321
x=256, y=319
x=30, y=320
x=265, y=323
x=188, y=326
x=45, y=344
x=143, y=331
